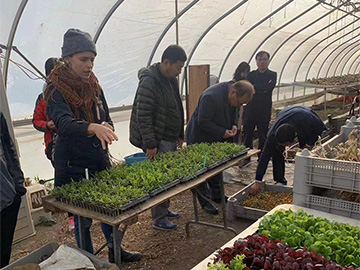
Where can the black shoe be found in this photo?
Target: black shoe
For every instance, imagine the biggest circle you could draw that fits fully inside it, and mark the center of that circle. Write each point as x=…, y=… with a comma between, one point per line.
x=218, y=200
x=172, y=215
x=210, y=208
x=125, y=256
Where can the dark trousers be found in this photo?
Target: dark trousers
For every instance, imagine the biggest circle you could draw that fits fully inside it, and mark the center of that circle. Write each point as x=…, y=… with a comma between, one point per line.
x=8, y=224
x=275, y=153
x=278, y=161
x=210, y=188
x=160, y=211
x=249, y=127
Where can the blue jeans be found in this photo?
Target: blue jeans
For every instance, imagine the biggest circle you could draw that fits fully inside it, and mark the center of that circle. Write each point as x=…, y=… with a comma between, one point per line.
x=87, y=222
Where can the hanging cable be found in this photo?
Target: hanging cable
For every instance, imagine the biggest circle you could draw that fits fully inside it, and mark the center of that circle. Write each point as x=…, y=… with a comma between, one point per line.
x=242, y=21
x=24, y=69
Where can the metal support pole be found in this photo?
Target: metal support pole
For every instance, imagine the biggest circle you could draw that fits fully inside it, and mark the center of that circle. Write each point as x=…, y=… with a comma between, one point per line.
x=356, y=58
x=81, y=232
x=177, y=22
x=11, y=38
x=182, y=12
x=280, y=28
x=302, y=29
x=106, y=19
x=117, y=239
x=328, y=55
x=205, y=33
x=342, y=70
x=318, y=43
x=28, y=61
x=328, y=70
x=301, y=43
x=248, y=31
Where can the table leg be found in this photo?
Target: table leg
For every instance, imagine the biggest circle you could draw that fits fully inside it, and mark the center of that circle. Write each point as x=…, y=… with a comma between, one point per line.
x=196, y=214
x=117, y=239
x=81, y=232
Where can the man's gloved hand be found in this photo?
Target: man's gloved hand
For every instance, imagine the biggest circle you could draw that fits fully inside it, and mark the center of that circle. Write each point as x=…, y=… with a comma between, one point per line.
x=20, y=189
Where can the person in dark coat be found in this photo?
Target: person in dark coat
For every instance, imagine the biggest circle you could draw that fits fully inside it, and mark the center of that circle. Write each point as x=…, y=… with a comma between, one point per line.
x=77, y=106
x=292, y=122
x=11, y=190
x=258, y=112
x=214, y=121
x=157, y=118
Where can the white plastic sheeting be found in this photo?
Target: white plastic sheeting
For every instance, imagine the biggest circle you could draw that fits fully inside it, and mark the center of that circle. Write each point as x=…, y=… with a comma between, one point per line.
x=129, y=37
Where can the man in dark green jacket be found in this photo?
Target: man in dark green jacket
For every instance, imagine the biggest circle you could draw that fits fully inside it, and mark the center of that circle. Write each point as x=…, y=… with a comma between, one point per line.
x=157, y=118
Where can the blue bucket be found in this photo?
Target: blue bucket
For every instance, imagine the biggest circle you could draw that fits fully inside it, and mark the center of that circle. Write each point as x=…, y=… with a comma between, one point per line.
x=135, y=158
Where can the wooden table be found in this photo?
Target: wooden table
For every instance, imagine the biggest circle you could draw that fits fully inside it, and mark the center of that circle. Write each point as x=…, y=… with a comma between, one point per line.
x=127, y=218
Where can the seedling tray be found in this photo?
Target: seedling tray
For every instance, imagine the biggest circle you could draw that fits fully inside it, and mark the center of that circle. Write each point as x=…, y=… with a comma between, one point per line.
x=187, y=178
x=235, y=210
x=241, y=153
x=134, y=203
x=201, y=171
x=156, y=191
x=112, y=212
x=172, y=184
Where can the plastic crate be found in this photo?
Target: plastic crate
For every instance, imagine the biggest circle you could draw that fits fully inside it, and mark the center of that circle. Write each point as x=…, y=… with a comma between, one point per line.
x=129, y=160
x=334, y=206
x=327, y=173
x=235, y=210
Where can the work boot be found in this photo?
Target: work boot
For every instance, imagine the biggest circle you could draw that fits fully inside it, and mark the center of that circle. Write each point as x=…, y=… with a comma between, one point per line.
x=210, y=208
x=125, y=256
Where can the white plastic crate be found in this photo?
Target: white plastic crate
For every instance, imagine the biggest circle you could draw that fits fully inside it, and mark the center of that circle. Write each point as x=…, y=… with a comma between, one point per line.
x=327, y=173
x=334, y=206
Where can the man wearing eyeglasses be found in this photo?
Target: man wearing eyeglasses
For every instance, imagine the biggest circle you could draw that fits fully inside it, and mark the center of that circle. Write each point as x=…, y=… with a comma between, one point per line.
x=214, y=121
x=292, y=122
x=258, y=112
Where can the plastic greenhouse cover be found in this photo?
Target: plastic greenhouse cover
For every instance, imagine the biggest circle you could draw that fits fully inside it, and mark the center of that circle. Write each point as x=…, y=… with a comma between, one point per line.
x=130, y=35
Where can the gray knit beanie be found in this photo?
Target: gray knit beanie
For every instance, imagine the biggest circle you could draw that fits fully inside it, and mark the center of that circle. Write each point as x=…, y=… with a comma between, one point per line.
x=77, y=41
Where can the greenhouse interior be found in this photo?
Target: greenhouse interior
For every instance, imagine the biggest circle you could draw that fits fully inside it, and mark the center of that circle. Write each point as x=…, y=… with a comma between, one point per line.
x=180, y=134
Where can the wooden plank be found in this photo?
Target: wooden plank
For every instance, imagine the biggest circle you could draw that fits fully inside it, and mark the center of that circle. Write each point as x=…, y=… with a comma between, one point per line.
x=50, y=203
x=198, y=82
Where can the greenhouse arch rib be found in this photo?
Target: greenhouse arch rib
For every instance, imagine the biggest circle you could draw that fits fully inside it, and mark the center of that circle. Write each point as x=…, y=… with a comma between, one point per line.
x=343, y=57
x=345, y=63
x=248, y=31
x=205, y=33
x=281, y=27
x=11, y=38
x=106, y=19
x=302, y=29
x=323, y=49
x=358, y=64
x=327, y=72
x=321, y=41
x=302, y=42
x=182, y=12
x=353, y=63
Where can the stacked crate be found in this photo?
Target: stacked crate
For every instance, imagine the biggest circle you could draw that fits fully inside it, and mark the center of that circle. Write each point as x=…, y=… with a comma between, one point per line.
x=314, y=172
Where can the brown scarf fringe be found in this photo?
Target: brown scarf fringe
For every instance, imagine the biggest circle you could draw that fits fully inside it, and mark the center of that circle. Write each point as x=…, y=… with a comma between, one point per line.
x=80, y=94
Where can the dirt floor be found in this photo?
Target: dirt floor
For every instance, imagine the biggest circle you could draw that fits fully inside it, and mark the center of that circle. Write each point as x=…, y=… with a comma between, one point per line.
x=160, y=249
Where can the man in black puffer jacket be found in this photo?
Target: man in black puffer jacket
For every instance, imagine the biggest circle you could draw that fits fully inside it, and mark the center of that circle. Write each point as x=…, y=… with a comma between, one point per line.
x=157, y=118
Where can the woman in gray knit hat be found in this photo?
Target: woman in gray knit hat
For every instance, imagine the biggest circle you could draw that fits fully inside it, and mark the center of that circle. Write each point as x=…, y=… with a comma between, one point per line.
x=77, y=105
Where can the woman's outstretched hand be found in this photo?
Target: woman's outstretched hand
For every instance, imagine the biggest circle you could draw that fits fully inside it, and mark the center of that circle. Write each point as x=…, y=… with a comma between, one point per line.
x=104, y=133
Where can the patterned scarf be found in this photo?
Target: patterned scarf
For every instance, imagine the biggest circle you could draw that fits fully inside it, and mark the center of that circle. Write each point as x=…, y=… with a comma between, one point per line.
x=80, y=94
